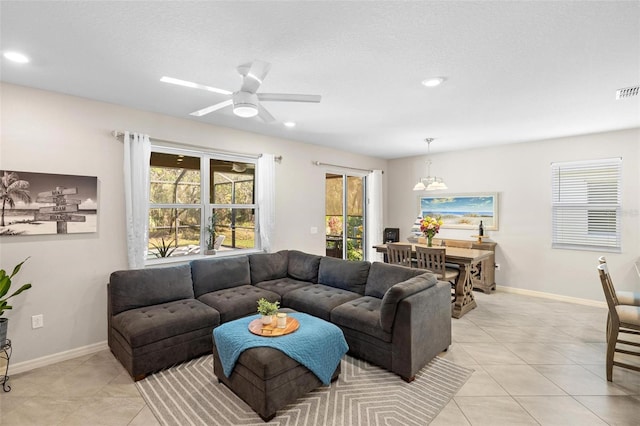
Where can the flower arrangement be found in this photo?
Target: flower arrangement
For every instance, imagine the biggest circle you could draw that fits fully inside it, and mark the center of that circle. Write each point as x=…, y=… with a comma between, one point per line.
x=430, y=226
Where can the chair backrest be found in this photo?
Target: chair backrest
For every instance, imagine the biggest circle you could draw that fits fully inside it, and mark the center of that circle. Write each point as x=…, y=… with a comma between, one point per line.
x=399, y=254
x=609, y=290
x=431, y=258
x=218, y=242
x=461, y=244
x=602, y=260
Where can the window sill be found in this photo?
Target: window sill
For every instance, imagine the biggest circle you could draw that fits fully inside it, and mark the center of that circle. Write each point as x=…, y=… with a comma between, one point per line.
x=186, y=259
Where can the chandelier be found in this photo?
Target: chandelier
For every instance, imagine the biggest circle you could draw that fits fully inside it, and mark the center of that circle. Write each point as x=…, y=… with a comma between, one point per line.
x=429, y=183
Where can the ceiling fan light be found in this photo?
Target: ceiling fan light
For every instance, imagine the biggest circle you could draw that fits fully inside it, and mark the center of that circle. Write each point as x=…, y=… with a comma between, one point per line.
x=245, y=104
x=245, y=111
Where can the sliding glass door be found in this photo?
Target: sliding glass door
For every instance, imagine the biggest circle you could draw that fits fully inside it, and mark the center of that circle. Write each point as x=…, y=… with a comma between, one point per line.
x=345, y=216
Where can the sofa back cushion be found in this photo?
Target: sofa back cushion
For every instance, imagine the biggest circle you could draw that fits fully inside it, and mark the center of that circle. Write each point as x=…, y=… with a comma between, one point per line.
x=303, y=266
x=383, y=275
x=345, y=274
x=268, y=266
x=219, y=273
x=137, y=288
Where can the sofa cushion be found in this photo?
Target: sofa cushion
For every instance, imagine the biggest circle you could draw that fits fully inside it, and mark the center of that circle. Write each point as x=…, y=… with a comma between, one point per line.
x=268, y=266
x=149, y=324
x=317, y=299
x=212, y=274
x=282, y=285
x=136, y=288
x=383, y=275
x=363, y=315
x=303, y=266
x=399, y=291
x=345, y=274
x=237, y=302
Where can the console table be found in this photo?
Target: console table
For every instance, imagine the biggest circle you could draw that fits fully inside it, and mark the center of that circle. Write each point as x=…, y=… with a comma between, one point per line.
x=5, y=353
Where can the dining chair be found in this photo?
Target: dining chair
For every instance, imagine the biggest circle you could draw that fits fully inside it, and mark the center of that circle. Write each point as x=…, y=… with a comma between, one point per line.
x=625, y=297
x=433, y=259
x=399, y=254
x=622, y=319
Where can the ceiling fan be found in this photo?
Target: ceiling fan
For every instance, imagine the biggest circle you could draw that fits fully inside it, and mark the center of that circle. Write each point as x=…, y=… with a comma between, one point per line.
x=246, y=102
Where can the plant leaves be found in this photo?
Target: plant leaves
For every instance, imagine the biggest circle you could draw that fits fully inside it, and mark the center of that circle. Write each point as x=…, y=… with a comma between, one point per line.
x=17, y=268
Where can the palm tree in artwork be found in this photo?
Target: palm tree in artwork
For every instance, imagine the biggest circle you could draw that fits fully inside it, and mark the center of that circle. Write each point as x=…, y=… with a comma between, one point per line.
x=11, y=190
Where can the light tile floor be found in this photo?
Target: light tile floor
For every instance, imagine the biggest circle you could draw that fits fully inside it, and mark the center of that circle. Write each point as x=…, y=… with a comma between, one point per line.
x=535, y=361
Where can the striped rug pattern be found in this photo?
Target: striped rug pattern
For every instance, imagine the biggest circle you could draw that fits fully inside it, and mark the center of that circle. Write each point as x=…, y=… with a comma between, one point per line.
x=189, y=394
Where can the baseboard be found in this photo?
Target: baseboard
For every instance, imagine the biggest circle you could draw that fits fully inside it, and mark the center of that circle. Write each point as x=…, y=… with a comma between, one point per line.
x=32, y=364
x=552, y=296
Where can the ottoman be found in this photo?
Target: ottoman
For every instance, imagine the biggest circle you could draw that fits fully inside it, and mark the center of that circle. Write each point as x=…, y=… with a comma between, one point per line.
x=265, y=377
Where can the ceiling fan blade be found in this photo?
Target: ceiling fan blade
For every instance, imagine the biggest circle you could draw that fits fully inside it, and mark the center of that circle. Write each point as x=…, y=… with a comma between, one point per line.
x=185, y=83
x=253, y=74
x=265, y=115
x=285, y=97
x=212, y=108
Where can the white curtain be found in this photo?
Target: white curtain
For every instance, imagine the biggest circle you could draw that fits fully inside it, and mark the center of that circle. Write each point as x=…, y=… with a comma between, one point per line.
x=137, y=153
x=374, y=215
x=266, y=199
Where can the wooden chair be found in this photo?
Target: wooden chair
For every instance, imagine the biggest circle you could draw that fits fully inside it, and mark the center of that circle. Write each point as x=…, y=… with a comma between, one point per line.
x=432, y=259
x=399, y=254
x=622, y=319
x=625, y=297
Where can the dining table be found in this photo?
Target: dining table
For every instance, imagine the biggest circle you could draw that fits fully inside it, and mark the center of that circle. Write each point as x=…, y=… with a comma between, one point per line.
x=465, y=258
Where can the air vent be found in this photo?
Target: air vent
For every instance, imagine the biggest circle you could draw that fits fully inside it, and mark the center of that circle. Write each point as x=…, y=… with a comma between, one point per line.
x=627, y=92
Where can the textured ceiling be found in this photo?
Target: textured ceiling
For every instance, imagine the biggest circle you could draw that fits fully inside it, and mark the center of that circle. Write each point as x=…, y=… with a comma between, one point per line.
x=515, y=71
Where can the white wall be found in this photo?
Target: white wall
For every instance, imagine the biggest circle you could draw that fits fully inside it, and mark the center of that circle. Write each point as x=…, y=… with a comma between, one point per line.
x=521, y=174
x=52, y=133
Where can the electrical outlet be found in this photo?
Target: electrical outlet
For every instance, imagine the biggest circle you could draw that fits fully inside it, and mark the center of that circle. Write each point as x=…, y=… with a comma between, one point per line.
x=497, y=266
x=314, y=229
x=37, y=321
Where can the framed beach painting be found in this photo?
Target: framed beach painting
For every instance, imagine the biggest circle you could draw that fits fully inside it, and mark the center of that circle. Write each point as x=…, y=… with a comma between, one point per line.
x=46, y=203
x=462, y=211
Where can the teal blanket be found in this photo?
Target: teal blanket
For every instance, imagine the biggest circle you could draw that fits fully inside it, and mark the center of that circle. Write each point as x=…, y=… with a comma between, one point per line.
x=317, y=344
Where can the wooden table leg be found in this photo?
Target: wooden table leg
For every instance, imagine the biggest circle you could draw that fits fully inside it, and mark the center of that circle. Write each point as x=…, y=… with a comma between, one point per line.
x=464, y=292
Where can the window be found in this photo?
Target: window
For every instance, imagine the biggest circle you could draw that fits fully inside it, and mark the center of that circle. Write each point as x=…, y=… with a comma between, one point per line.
x=198, y=198
x=586, y=204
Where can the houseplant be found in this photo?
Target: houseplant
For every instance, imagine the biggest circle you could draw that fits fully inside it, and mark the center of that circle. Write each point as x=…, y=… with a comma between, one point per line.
x=267, y=309
x=5, y=285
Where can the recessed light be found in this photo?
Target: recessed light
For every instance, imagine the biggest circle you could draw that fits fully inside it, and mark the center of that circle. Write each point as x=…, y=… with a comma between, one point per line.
x=289, y=124
x=433, y=82
x=16, y=57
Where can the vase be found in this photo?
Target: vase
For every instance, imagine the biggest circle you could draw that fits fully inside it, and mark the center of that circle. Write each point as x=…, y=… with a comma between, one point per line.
x=266, y=319
x=429, y=240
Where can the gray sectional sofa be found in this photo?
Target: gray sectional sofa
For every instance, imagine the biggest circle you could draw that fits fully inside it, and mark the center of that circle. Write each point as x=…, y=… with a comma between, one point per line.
x=395, y=317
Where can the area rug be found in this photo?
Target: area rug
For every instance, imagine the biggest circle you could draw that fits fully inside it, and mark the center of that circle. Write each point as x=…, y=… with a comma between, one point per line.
x=189, y=394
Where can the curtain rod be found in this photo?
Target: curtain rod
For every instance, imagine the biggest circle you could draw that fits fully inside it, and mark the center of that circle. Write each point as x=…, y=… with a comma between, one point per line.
x=118, y=134
x=318, y=163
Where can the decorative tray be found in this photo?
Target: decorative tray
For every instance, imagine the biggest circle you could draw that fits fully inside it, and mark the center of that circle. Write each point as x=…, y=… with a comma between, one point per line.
x=270, y=330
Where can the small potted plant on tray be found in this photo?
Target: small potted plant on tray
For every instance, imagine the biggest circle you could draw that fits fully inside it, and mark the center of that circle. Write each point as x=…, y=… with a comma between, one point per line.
x=267, y=309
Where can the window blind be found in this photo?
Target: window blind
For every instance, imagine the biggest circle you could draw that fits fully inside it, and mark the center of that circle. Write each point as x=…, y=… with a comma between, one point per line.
x=586, y=204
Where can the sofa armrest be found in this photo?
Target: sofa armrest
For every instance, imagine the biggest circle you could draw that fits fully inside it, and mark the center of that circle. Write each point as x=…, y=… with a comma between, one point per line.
x=422, y=329
x=401, y=291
